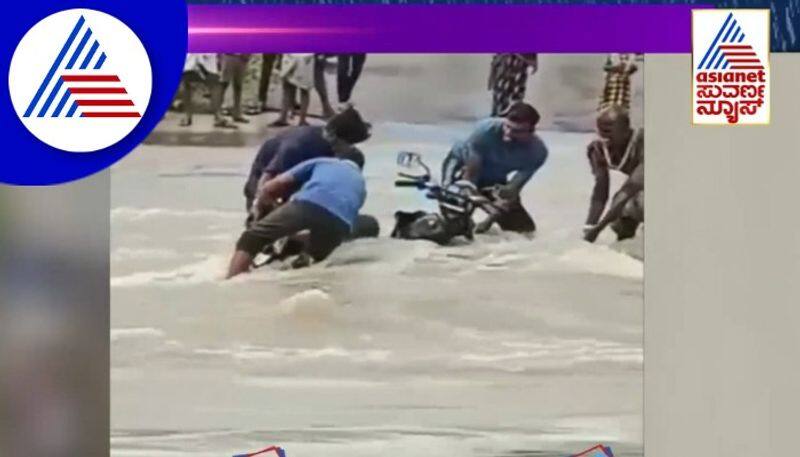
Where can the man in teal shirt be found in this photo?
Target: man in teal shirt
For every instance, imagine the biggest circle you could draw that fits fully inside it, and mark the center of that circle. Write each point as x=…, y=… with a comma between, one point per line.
x=500, y=157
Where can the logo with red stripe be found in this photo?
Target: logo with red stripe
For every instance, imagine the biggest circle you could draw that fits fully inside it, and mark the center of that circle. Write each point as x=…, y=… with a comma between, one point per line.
x=731, y=66
x=98, y=96
x=80, y=80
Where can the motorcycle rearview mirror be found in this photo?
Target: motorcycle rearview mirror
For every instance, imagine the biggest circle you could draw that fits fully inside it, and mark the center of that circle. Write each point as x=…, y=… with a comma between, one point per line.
x=410, y=160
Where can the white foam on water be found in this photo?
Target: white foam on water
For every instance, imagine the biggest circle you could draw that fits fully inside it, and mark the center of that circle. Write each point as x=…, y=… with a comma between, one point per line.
x=308, y=312
x=215, y=237
x=137, y=346
x=126, y=213
x=210, y=269
x=118, y=334
x=517, y=356
x=603, y=260
x=251, y=353
x=305, y=383
x=204, y=171
x=122, y=254
x=308, y=304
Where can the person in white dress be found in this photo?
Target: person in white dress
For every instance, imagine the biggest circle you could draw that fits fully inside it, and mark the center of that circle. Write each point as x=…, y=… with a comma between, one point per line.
x=202, y=68
x=297, y=75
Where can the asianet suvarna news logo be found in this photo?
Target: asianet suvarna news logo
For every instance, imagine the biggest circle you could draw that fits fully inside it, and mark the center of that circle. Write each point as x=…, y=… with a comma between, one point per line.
x=730, y=53
x=80, y=80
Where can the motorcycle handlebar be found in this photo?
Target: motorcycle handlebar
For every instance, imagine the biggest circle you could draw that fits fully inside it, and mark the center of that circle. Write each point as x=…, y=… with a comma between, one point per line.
x=401, y=183
x=478, y=200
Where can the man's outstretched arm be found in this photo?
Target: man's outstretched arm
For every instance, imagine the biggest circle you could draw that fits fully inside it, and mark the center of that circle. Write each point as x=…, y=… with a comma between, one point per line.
x=265, y=176
x=599, y=196
x=272, y=191
x=472, y=167
x=601, y=186
x=267, y=197
x=629, y=190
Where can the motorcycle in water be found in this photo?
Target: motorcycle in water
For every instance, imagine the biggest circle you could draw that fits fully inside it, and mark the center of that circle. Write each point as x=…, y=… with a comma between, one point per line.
x=457, y=204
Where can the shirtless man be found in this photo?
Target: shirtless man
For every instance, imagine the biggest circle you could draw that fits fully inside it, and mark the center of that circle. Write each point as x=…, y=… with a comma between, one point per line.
x=619, y=148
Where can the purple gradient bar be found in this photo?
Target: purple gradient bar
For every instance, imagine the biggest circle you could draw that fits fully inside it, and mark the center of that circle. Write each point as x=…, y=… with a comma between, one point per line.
x=441, y=28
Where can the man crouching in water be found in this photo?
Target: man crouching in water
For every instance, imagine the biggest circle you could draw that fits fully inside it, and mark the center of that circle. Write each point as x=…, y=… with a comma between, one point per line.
x=497, y=148
x=298, y=144
x=326, y=195
x=619, y=148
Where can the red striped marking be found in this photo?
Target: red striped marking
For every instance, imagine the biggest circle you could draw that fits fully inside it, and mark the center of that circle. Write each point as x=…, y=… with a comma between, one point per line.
x=90, y=78
x=104, y=102
x=98, y=90
x=747, y=67
x=735, y=46
x=730, y=53
x=744, y=61
x=117, y=114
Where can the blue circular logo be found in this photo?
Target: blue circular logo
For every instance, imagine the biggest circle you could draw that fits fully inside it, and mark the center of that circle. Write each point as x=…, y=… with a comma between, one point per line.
x=93, y=77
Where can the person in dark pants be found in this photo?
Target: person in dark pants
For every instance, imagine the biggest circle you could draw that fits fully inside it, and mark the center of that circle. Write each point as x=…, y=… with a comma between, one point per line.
x=321, y=85
x=267, y=63
x=326, y=195
x=234, y=67
x=497, y=148
x=348, y=71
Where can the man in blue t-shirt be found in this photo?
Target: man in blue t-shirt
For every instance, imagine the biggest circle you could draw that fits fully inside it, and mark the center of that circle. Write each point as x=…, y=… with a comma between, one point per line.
x=499, y=158
x=326, y=195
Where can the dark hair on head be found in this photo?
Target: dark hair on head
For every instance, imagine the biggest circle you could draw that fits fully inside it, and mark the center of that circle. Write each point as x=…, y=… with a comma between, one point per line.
x=354, y=155
x=614, y=113
x=523, y=112
x=349, y=126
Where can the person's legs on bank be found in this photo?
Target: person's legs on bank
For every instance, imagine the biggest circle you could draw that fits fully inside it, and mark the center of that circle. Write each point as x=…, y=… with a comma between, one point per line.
x=186, y=98
x=343, y=63
x=287, y=100
x=216, y=88
x=321, y=86
x=358, y=61
x=305, y=100
x=267, y=63
x=237, y=83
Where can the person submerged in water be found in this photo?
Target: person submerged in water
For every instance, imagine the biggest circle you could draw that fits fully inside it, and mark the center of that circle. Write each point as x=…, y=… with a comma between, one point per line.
x=326, y=195
x=620, y=148
x=497, y=148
